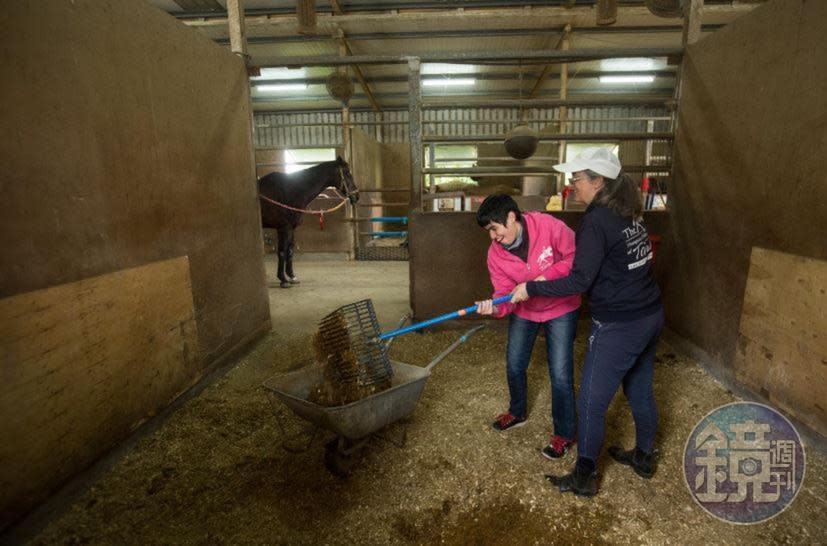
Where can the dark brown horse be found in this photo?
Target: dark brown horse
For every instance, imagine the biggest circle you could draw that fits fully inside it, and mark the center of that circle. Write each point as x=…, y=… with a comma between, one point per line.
x=297, y=190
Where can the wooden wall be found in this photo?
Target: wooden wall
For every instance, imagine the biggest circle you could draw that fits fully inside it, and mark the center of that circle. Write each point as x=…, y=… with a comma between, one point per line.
x=129, y=228
x=749, y=174
x=782, y=347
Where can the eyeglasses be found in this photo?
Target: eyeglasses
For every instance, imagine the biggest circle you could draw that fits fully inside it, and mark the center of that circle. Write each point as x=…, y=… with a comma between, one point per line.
x=578, y=179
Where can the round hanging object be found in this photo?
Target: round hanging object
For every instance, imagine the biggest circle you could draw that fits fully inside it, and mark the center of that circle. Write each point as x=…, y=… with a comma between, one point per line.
x=340, y=87
x=665, y=8
x=521, y=142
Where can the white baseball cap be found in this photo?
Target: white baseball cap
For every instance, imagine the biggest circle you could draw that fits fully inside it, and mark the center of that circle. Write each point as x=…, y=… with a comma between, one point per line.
x=599, y=160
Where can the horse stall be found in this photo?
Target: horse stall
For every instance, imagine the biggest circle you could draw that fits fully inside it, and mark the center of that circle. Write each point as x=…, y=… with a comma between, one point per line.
x=130, y=231
x=335, y=234
x=328, y=237
x=162, y=388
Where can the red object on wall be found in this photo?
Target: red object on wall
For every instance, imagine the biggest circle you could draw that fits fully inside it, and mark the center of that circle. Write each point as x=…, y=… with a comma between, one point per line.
x=566, y=191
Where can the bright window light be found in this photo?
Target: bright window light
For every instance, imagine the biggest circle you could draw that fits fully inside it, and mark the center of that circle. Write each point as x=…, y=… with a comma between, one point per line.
x=638, y=78
x=281, y=87
x=281, y=74
x=297, y=160
x=445, y=82
x=452, y=156
x=629, y=64
x=447, y=68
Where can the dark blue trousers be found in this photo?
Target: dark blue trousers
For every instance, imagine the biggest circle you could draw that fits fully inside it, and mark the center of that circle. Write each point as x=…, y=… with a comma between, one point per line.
x=559, y=341
x=619, y=353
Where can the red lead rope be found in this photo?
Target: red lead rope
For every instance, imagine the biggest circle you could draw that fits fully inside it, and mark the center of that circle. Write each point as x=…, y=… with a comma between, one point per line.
x=321, y=213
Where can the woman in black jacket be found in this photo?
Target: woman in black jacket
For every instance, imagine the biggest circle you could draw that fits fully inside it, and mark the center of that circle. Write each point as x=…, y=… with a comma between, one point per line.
x=612, y=266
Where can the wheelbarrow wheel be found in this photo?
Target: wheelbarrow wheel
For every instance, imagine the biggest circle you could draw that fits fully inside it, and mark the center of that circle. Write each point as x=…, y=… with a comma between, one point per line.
x=337, y=462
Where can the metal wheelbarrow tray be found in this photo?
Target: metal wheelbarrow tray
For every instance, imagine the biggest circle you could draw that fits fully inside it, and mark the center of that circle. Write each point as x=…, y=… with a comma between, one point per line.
x=354, y=423
x=357, y=419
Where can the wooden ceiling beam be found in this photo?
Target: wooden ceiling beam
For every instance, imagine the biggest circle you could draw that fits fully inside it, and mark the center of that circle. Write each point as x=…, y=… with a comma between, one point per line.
x=554, y=15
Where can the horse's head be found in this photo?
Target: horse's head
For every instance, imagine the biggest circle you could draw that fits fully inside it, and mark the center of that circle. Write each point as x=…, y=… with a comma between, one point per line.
x=345, y=183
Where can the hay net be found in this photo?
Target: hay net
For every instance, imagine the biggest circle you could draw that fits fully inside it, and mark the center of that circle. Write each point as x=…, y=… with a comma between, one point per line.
x=355, y=365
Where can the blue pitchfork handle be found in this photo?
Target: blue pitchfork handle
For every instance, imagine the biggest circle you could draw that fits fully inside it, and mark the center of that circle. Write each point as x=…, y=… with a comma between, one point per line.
x=437, y=320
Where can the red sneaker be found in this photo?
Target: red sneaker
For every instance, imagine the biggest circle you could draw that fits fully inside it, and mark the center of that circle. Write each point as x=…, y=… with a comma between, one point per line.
x=506, y=421
x=557, y=447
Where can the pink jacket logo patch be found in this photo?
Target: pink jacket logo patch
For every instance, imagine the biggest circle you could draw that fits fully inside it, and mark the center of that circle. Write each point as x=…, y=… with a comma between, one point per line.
x=545, y=259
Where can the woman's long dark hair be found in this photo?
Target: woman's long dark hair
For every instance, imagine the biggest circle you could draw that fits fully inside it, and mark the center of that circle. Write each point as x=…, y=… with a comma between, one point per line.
x=620, y=194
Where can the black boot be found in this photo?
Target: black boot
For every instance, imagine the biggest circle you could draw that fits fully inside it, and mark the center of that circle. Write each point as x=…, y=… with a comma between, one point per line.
x=582, y=481
x=643, y=463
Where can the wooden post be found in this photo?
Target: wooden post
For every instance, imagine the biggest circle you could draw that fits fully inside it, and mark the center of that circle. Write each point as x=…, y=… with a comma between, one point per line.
x=235, y=20
x=692, y=18
x=432, y=161
x=415, y=132
x=347, y=151
x=564, y=111
x=562, y=44
x=238, y=45
x=547, y=68
x=606, y=12
x=345, y=108
x=380, y=136
x=306, y=15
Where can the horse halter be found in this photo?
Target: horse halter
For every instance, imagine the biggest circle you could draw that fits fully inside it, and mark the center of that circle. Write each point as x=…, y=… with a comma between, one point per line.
x=343, y=182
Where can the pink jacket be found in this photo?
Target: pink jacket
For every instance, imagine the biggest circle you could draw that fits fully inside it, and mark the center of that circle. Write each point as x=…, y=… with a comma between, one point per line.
x=550, y=255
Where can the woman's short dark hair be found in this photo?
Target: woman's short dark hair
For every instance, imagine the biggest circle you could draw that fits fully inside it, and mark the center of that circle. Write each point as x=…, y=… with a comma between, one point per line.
x=495, y=208
x=620, y=194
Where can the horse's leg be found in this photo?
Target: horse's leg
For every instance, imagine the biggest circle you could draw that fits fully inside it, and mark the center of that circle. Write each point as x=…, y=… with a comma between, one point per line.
x=284, y=238
x=290, y=246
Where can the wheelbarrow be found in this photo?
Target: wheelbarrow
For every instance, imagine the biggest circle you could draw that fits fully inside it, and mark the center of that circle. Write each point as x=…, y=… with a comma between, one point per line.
x=354, y=423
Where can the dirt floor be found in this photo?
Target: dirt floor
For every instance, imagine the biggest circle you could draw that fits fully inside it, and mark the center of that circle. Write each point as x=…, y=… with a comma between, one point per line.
x=216, y=471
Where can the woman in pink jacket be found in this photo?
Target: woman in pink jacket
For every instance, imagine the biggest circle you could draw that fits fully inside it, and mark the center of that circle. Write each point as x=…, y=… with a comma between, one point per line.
x=528, y=247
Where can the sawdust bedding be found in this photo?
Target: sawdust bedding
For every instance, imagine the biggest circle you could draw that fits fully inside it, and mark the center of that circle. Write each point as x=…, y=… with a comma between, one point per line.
x=216, y=472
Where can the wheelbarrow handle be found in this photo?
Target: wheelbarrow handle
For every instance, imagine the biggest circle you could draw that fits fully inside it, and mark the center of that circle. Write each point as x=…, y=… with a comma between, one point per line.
x=462, y=339
x=437, y=320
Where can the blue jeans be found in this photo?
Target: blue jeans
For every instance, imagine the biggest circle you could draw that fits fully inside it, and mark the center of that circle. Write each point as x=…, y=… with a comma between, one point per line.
x=559, y=342
x=619, y=353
